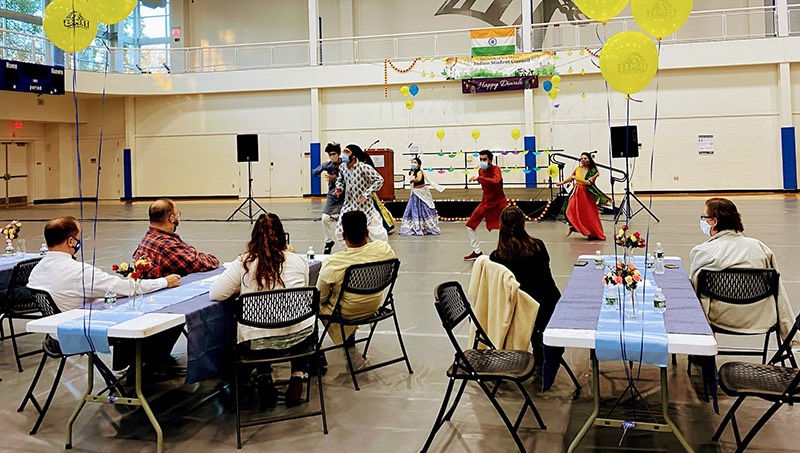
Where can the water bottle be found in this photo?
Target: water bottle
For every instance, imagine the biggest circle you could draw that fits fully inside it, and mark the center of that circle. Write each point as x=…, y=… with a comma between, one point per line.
x=599, y=261
x=659, y=267
x=650, y=261
x=659, y=301
x=43, y=249
x=110, y=299
x=310, y=253
x=611, y=298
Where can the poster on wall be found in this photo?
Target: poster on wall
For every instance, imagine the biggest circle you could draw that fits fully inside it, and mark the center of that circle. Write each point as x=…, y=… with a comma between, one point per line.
x=517, y=65
x=705, y=144
x=472, y=86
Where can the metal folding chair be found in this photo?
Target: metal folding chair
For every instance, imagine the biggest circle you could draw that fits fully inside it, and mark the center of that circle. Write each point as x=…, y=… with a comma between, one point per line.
x=17, y=303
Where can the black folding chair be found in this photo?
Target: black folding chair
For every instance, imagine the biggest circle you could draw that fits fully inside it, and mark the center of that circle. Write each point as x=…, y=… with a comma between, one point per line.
x=772, y=383
x=17, y=303
x=742, y=287
x=785, y=352
x=479, y=365
x=273, y=310
x=369, y=278
x=52, y=350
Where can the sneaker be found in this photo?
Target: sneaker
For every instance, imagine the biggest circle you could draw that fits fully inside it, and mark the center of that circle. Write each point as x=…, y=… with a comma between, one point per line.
x=294, y=392
x=328, y=248
x=473, y=256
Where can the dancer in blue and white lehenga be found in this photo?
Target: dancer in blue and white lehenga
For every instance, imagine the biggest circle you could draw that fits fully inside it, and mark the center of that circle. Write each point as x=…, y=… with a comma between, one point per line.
x=420, y=217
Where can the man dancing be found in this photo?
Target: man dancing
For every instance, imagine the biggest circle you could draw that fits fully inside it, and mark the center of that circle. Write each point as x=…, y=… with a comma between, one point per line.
x=492, y=204
x=358, y=181
x=333, y=203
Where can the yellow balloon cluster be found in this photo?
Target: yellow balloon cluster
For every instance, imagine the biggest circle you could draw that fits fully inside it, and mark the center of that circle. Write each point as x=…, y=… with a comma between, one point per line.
x=107, y=11
x=70, y=29
x=661, y=18
x=601, y=10
x=629, y=61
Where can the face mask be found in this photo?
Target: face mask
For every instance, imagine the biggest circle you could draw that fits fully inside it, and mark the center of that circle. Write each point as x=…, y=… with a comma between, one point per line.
x=176, y=223
x=483, y=165
x=413, y=166
x=345, y=158
x=77, y=245
x=705, y=227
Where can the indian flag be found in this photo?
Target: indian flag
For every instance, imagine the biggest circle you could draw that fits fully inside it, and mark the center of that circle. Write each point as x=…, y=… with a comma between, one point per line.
x=494, y=41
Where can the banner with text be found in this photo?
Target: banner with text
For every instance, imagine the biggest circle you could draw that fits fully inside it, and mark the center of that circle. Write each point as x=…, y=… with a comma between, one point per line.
x=472, y=86
x=517, y=65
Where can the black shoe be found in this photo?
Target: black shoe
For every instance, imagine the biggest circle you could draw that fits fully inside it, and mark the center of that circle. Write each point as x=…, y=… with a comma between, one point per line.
x=350, y=342
x=328, y=248
x=267, y=393
x=294, y=392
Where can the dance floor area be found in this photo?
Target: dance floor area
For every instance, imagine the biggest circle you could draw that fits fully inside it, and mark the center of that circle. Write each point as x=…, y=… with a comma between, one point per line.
x=394, y=411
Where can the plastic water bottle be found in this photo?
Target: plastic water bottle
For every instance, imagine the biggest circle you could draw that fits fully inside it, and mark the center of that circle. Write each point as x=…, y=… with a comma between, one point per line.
x=659, y=268
x=310, y=253
x=43, y=249
x=659, y=301
x=650, y=261
x=599, y=261
x=611, y=298
x=110, y=299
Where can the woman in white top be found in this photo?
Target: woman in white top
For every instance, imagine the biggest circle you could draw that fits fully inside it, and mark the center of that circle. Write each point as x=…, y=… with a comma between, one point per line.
x=267, y=265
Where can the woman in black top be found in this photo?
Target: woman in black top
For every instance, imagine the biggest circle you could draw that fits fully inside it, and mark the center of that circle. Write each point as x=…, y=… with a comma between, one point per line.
x=526, y=257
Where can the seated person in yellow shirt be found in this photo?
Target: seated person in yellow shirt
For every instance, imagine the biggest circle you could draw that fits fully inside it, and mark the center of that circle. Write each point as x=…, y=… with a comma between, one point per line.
x=359, y=251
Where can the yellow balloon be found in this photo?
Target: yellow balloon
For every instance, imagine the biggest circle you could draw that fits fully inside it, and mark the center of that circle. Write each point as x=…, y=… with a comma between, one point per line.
x=601, y=10
x=475, y=134
x=552, y=171
x=515, y=134
x=556, y=80
x=629, y=61
x=69, y=30
x=404, y=90
x=553, y=93
x=661, y=18
x=440, y=134
x=107, y=11
x=409, y=104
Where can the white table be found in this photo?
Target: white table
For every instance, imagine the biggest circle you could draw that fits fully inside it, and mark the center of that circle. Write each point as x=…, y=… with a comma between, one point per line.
x=136, y=329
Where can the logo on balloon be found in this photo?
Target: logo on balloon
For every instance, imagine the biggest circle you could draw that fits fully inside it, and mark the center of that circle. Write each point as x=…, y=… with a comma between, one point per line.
x=76, y=20
x=634, y=64
x=663, y=10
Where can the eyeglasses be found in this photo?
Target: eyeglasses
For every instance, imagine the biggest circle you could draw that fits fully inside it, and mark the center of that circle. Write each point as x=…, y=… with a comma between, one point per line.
x=177, y=214
x=706, y=217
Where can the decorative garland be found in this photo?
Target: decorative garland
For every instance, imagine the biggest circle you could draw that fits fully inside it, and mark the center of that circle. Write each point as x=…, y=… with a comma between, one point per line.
x=509, y=202
x=386, y=63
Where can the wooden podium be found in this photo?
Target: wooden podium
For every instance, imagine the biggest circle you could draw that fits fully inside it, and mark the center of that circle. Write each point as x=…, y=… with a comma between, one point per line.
x=384, y=163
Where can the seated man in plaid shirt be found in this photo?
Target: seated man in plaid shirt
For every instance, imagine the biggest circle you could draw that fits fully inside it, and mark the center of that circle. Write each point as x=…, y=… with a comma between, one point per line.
x=168, y=253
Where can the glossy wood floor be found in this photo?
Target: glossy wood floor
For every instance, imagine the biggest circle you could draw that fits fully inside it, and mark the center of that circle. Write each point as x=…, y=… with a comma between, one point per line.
x=394, y=411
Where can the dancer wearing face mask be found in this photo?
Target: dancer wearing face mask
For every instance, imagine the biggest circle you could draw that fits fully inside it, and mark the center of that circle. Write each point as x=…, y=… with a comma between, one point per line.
x=492, y=204
x=358, y=181
x=420, y=217
x=726, y=248
x=165, y=249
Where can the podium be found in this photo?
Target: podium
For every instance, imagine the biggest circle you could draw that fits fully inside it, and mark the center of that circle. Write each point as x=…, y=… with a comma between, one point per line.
x=384, y=164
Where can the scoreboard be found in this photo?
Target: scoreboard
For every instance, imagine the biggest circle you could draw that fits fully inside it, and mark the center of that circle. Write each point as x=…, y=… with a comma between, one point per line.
x=31, y=78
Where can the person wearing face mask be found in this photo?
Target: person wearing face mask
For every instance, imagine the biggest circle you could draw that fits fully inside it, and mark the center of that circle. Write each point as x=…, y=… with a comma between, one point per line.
x=358, y=181
x=727, y=247
x=333, y=203
x=73, y=284
x=490, y=177
x=420, y=217
x=165, y=249
x=581, y=208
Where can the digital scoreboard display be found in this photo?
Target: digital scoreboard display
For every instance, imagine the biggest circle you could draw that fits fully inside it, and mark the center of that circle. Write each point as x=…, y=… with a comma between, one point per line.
x=31, y=78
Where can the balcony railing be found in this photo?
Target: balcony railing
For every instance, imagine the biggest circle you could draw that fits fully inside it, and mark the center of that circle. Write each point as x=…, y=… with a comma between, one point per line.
x=702, y=26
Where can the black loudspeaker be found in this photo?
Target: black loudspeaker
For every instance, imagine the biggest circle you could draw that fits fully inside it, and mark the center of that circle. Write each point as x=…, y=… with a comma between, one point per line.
x=624, y=141
x=247, y=148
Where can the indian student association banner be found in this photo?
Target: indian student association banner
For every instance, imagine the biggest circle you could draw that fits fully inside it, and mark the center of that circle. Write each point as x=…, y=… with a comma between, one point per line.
x=472, y=86
x=517, y=65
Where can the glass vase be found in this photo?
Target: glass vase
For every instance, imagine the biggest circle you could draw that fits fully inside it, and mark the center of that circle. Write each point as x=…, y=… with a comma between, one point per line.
x=630, y=309
x=135, y=294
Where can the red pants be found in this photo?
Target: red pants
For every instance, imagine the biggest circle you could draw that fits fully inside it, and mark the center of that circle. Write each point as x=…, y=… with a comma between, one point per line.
x=490, y=213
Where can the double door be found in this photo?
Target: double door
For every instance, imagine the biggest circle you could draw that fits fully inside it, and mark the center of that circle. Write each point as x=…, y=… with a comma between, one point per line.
x=14, y=169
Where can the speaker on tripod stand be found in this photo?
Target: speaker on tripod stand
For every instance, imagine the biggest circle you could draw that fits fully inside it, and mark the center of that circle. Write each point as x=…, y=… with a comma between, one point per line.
x=625, y=145
x=247, y=151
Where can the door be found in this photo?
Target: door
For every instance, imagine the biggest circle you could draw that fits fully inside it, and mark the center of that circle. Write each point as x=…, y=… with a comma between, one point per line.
x=286, y=165
x=14, y=190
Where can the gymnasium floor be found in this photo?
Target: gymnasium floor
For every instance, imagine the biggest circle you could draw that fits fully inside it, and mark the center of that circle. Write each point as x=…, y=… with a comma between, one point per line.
x=394, y=411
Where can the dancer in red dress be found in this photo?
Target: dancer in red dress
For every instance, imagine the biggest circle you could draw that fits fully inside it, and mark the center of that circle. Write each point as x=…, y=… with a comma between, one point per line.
x=582, y=212
x=492, y=204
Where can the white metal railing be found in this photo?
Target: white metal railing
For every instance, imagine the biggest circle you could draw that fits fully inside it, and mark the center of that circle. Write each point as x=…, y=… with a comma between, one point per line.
x=702, y=26
x=794, y=20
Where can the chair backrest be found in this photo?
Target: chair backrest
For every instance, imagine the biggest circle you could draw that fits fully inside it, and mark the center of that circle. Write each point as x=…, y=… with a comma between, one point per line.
x=45, y=302
x=277, y=308
x=453, y=307
x=370, y=278
x=738, y=286
x=17, y=294
x=785, y=352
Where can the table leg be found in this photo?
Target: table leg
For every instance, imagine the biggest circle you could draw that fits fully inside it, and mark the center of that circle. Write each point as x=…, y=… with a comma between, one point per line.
x=82, y=402
x=140, y=396
x=596, y=398
x=665, y=411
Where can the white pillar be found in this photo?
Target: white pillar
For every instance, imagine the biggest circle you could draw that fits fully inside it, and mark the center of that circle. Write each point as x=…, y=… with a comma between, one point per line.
x=315, y=126
x=313, y=32
x=785, y=97
x=527, y=15
x=782, y=12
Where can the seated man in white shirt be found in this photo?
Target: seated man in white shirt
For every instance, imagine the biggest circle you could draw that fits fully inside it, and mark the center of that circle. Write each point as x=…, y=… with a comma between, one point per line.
x=73, y=284
x=359, y=251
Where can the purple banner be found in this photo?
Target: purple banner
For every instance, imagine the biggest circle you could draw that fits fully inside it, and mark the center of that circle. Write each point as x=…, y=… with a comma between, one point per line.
x=471, y=86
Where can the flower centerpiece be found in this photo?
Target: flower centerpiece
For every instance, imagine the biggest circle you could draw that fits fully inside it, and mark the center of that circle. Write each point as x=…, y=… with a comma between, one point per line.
x=628, y=276
x=135, y=272
x=11, y=232
x=630, y=240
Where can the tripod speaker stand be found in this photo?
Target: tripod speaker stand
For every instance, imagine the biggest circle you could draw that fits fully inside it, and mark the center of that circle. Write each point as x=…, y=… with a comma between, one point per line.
x=247, y=151
x=625, y=143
